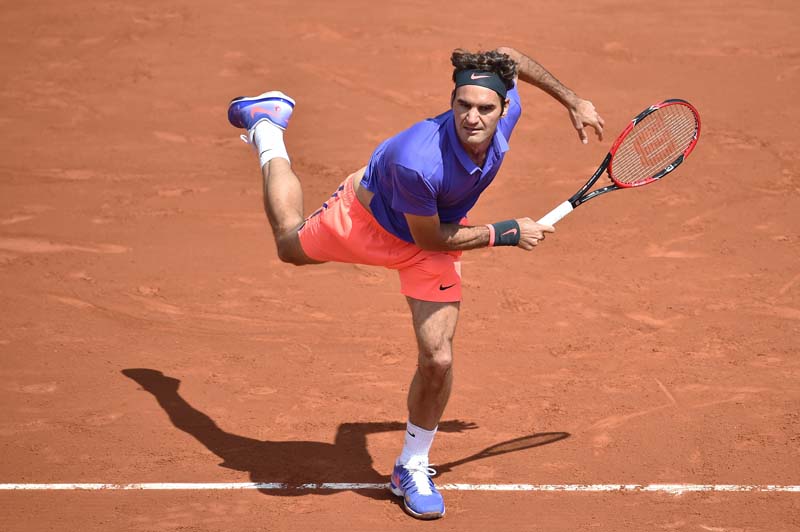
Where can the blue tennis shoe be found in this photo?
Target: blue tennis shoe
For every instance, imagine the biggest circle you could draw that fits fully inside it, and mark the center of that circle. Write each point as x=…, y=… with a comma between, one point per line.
x=246, y=111
x=413, y=482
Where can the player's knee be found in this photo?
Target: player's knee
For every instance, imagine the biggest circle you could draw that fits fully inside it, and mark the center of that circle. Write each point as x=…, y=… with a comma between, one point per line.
x=436, y=363
x=288, y=251
x=287, y=255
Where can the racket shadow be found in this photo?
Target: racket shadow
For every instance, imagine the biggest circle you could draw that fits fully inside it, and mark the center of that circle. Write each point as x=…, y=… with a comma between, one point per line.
x=514, y=445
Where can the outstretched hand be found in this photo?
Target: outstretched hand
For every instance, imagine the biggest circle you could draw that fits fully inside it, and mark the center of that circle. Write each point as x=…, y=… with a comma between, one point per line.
x=584, y=114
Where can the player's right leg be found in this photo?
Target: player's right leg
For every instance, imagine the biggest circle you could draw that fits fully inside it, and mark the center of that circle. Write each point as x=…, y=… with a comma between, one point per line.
x=265, y=117
x=434, y=327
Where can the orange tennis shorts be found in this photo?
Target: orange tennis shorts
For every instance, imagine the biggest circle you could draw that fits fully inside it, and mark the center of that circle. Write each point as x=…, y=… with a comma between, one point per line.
x=342, y=230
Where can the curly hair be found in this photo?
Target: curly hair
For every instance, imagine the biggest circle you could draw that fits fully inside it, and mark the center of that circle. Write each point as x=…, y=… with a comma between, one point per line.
x=491, y=61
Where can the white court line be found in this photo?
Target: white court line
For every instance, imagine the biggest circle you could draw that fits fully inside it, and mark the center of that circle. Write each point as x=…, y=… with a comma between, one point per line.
x=672, y=489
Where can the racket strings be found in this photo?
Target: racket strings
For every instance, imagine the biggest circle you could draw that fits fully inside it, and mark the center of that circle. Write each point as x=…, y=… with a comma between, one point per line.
x=654, y=143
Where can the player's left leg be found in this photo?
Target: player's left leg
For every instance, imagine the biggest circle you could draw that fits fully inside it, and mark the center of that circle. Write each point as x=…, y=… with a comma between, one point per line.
x=283, y=205
x=434, y=326
x=266, y=117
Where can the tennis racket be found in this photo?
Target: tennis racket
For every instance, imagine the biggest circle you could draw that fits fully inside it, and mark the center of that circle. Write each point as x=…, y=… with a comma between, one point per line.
x=654, y=144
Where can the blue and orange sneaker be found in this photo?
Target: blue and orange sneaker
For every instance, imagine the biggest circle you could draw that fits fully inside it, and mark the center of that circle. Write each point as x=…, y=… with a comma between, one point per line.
x=413, y=482
x=246, y=111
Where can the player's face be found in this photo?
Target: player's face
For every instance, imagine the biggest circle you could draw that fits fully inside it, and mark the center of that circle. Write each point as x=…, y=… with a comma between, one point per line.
x=477, y=110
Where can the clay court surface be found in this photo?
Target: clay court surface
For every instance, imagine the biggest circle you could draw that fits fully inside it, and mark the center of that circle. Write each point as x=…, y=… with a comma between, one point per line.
x=657, y=330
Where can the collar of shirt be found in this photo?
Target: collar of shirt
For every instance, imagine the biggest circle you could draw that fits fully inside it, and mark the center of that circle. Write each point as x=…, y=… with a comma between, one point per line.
x=498, y=147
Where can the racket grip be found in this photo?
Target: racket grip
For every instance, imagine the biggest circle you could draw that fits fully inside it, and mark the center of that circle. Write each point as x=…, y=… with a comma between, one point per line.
x=556, y=214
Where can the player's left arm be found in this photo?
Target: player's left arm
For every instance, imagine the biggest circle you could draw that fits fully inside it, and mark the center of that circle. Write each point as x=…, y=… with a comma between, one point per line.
x=581, y=112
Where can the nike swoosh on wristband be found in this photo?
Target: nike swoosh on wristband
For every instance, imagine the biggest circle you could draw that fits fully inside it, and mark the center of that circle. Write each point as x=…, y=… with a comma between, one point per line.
x=411, y=434
x=510, y=232
x=446, y=287
x=473, y=76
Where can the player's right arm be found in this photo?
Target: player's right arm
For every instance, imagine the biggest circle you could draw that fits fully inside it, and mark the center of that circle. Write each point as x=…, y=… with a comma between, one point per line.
x=432, y=235
x=412, y=193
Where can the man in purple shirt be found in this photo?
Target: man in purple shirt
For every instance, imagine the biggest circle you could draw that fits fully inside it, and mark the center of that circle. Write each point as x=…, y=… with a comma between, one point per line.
x=425, y=171
x=406, y=210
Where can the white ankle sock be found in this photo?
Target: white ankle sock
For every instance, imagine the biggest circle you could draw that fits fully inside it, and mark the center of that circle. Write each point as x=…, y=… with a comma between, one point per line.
x=417, y=445
x=268, y=140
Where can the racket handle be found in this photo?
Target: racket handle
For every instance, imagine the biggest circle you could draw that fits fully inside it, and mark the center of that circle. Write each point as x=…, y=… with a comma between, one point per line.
x=556, y=214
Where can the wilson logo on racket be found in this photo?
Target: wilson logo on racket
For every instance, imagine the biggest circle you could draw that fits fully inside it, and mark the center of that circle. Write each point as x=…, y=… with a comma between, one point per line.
x=653, y=144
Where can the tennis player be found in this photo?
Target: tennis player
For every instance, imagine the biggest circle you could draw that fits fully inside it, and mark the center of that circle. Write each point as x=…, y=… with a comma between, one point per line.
x=406, y=210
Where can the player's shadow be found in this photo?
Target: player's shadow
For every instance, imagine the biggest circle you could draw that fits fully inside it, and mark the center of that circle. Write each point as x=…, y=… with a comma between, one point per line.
x=295, y=463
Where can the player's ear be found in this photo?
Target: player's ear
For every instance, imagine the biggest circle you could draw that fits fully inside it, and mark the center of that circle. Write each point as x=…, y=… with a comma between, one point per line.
x=505, y=108
x=452, y=97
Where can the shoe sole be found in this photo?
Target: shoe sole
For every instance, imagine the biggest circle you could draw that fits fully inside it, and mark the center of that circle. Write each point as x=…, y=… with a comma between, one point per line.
x=426, y=516
x=272, y=95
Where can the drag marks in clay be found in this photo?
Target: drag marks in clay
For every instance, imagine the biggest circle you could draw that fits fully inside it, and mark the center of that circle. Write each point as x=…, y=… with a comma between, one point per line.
x=42, y=245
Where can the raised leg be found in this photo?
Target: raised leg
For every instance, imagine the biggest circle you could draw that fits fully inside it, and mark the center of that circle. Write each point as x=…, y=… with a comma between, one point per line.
x=283, y=204
x=266, y=117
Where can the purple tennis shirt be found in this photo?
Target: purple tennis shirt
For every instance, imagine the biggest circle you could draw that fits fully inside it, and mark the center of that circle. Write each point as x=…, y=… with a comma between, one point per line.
x=424, y=170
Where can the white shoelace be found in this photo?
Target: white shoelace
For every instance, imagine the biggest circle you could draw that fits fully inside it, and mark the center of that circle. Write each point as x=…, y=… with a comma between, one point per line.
x=420, y=474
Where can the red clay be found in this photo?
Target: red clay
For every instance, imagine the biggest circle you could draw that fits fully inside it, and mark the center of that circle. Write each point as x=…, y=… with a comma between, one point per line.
x=658, y=327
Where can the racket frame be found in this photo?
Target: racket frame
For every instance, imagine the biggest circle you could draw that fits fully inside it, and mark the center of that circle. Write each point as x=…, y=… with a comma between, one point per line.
x=607, y=165
x=670, y=167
